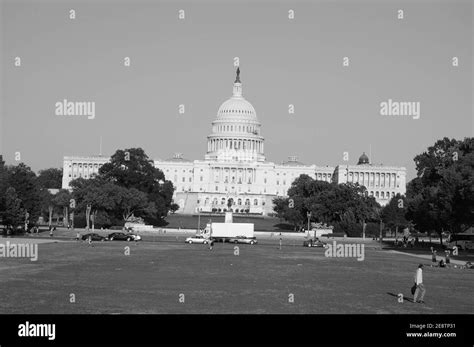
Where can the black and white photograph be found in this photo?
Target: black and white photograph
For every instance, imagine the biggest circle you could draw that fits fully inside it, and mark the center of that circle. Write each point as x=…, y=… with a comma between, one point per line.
x=224, y=168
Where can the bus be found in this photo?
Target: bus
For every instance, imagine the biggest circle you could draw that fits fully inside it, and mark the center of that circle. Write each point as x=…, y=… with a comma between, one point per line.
x=462, y=241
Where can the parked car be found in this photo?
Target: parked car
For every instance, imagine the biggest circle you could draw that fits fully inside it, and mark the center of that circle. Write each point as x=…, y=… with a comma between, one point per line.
x=94, y=236
x=199, y=239
x=244, y=239
x=136, y=237
x=314, y=243
x=118, y=236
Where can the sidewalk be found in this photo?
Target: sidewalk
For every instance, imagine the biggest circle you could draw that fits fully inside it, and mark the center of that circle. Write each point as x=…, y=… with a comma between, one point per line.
x=428, y=257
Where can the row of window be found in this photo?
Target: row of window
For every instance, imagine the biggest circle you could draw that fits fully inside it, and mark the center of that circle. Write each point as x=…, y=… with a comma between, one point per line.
x=381, y=195
x=82, y=175
x=237, y=111
x=184, y=171
x=240, y=128
x=223, y=201
x=85, y=165
x=226, y=189
x=226, y=180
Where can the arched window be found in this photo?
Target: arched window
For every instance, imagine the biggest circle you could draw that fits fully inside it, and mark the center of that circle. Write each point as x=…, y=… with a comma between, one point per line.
x=222, y=201
x=382, y=195
x=255, y=202
x=239, y=202
x=247, y=201
x=376, y=194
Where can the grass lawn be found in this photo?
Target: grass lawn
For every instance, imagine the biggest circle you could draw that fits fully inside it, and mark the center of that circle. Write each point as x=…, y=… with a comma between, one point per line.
x=258, y=280
x=191, y=222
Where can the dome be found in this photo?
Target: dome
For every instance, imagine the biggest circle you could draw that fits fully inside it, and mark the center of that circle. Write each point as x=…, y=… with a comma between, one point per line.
x=237, y=108
x=236, y=130
x=363, y=159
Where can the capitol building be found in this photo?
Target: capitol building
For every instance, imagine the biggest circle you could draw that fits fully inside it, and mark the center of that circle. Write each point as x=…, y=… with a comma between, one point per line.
x=235, y=166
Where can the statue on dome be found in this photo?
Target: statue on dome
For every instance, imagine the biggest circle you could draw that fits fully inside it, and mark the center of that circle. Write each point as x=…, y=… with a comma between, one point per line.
x=237, y=79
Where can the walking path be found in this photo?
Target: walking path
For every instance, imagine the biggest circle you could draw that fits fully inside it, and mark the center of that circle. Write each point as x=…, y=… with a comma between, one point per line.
x=457, y=262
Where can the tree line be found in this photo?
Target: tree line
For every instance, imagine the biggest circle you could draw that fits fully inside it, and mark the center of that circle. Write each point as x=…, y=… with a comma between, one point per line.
x=127, y=188
x=439, y=199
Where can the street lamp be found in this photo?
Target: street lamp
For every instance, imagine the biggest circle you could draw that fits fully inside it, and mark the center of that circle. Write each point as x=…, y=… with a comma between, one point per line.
x=199, y=219
x=88, y=213
x=308, y=214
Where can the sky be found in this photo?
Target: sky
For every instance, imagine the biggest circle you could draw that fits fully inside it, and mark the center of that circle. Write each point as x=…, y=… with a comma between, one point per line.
x=190, y=61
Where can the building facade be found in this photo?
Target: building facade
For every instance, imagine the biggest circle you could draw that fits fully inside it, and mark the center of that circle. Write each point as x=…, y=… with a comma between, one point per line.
x=235, y=167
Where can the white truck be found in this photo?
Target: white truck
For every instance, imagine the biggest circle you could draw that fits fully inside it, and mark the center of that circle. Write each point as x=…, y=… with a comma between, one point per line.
x=227, y=231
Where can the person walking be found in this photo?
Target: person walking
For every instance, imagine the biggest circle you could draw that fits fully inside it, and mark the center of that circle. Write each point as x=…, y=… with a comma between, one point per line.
x=433, y=255
x=420, y=288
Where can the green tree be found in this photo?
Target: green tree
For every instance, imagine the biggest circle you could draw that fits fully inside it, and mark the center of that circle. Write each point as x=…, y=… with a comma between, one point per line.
x=107, y=198
x=24, y=181
x=289, y=211
x=62, y=201
x=3, y=184
x=14, y=214
x=174, y=207
x=50, y=178
x=345, y=204
x=131, y=168
x=393, y=214
x=47, y=205
x=441, y=197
